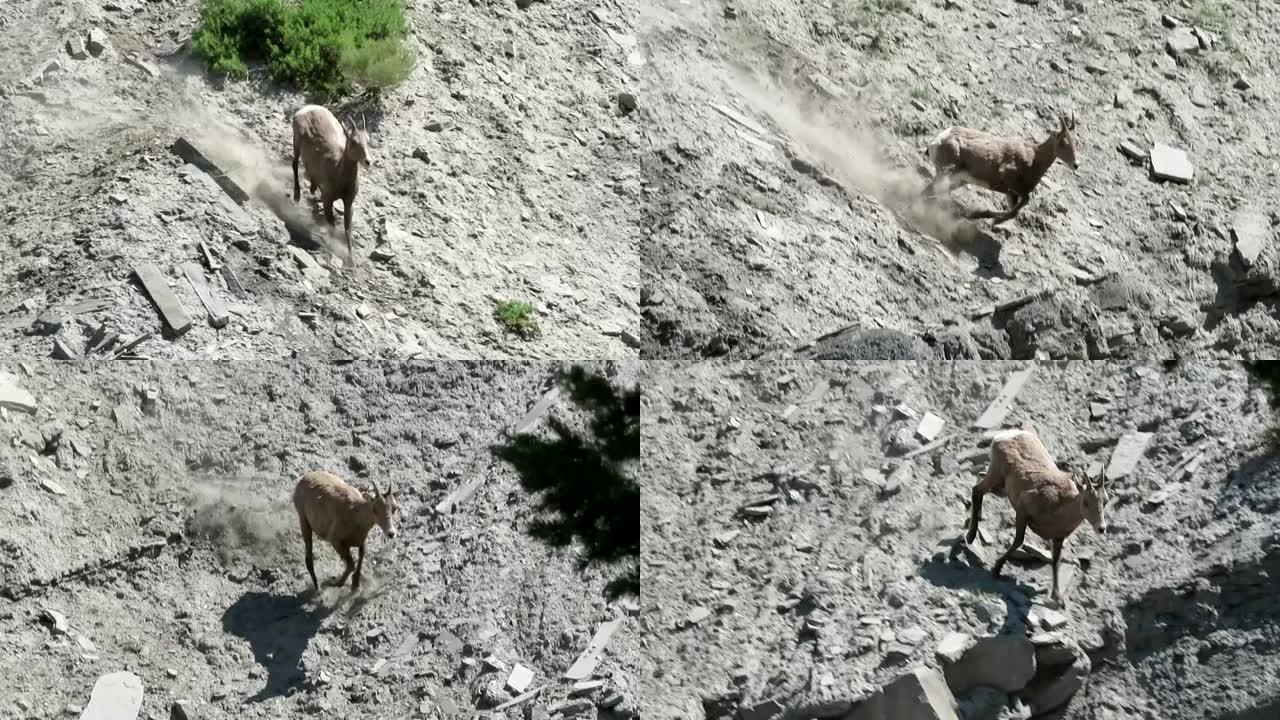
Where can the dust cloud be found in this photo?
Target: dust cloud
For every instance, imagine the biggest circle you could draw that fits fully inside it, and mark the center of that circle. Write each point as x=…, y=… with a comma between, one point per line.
x=853, y=157
x=244, y=526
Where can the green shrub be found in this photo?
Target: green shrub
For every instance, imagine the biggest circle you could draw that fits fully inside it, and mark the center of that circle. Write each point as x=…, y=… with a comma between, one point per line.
x=517, y=317
x=324, y=47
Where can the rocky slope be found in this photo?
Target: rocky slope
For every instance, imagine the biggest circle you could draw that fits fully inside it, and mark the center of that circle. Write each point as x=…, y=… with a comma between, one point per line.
x=504, y=168
x=784, y=167
x=802, y=543
x=147, y=527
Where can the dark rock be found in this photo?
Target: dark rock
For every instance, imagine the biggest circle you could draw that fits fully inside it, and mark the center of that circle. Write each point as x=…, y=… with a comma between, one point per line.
x=878, y=344
x=1057, y=328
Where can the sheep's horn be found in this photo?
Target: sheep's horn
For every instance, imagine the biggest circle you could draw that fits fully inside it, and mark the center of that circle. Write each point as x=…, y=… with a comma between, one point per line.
x=390, y=488
x=376, y=491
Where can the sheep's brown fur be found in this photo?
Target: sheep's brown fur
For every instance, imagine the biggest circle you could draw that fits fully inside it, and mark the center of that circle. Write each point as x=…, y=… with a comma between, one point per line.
x=332, y=157
x=342, y=516
x=1013, y=166
x=1051, y=502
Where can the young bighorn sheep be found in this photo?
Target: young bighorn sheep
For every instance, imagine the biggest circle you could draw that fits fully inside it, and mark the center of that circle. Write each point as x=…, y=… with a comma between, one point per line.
x=1051, y=502
x=1013, y=166
x=332, y=156
x=341, y=515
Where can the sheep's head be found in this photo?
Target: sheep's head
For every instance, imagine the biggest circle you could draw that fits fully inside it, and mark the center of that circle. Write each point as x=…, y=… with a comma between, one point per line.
x=384, y=510
x=358, y=146
x=1066, y=143
x=1094, y=496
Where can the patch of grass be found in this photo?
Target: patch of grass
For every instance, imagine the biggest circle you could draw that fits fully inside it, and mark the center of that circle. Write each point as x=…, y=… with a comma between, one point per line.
x=999, y=111
x=921, y=92
x=871, y=14
x=323, y=47
x=1087, y=39
x=1062, y=91
x=1218, y=17
x=517, y=317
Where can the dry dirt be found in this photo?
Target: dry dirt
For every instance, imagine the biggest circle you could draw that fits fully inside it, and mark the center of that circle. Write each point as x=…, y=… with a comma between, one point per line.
x=783, y=171
x=1174, y=605
x=168, y=541
x=525, y=189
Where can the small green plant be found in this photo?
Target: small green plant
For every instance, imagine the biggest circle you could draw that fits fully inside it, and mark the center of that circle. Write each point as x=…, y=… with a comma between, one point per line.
x=1087, y=39
x=324, y=47
x=1062, y=91
x=871, y=14
x=517, y=317
x=921, y=92
x=1218, y=16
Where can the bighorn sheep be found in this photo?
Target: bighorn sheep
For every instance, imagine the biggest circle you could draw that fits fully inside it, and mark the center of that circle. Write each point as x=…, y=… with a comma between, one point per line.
x=332, y=156
x=1051, y=502
x=341, y=515
x=1012, y=166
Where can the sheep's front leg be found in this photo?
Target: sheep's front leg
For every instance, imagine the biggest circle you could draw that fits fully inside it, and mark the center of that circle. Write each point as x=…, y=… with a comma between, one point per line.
x=1057, y=558
x=1018, y=537
x=328, y=211
x=940, y=184
x=975, y=511
x=355, y=583
x=1019, y=202
x=346, y=225
x=345, y=552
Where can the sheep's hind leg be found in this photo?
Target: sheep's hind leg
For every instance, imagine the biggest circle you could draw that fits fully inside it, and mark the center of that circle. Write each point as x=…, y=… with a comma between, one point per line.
x=297, y=191
x=345, y=552
x=1018, y=537
x=311, y=563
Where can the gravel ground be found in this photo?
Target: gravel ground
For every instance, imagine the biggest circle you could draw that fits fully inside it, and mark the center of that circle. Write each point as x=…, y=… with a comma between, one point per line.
x=162, y=530
x=505, y=168
x=848, y=570
x=784, y=171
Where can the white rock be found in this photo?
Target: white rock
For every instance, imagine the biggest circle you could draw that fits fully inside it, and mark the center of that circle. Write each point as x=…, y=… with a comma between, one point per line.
x=520, y=678
x=1171, y=164
x=930, y=426
x=117, y=696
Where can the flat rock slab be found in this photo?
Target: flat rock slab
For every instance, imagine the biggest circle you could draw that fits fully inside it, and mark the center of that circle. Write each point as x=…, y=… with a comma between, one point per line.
x=117, y=696
x=13, y=397
x=218, y=316
x=187, y=150
x=921, y=694
x=1127, y=454
x=587, y=661
x=175, y=316
x=995, y=412
x=1250, y=232
x=1171, y=164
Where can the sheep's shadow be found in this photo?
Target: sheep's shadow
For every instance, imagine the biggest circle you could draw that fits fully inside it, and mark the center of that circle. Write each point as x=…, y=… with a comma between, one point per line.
x=278, y=628
x=961, y=568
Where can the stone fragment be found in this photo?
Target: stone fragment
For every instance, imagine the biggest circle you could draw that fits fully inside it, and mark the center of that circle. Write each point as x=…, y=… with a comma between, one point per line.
x=1249, y=230
x=75, y=48
x=1182, y=41
x=97, y=42
x=171, y=310
x=921, y=694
